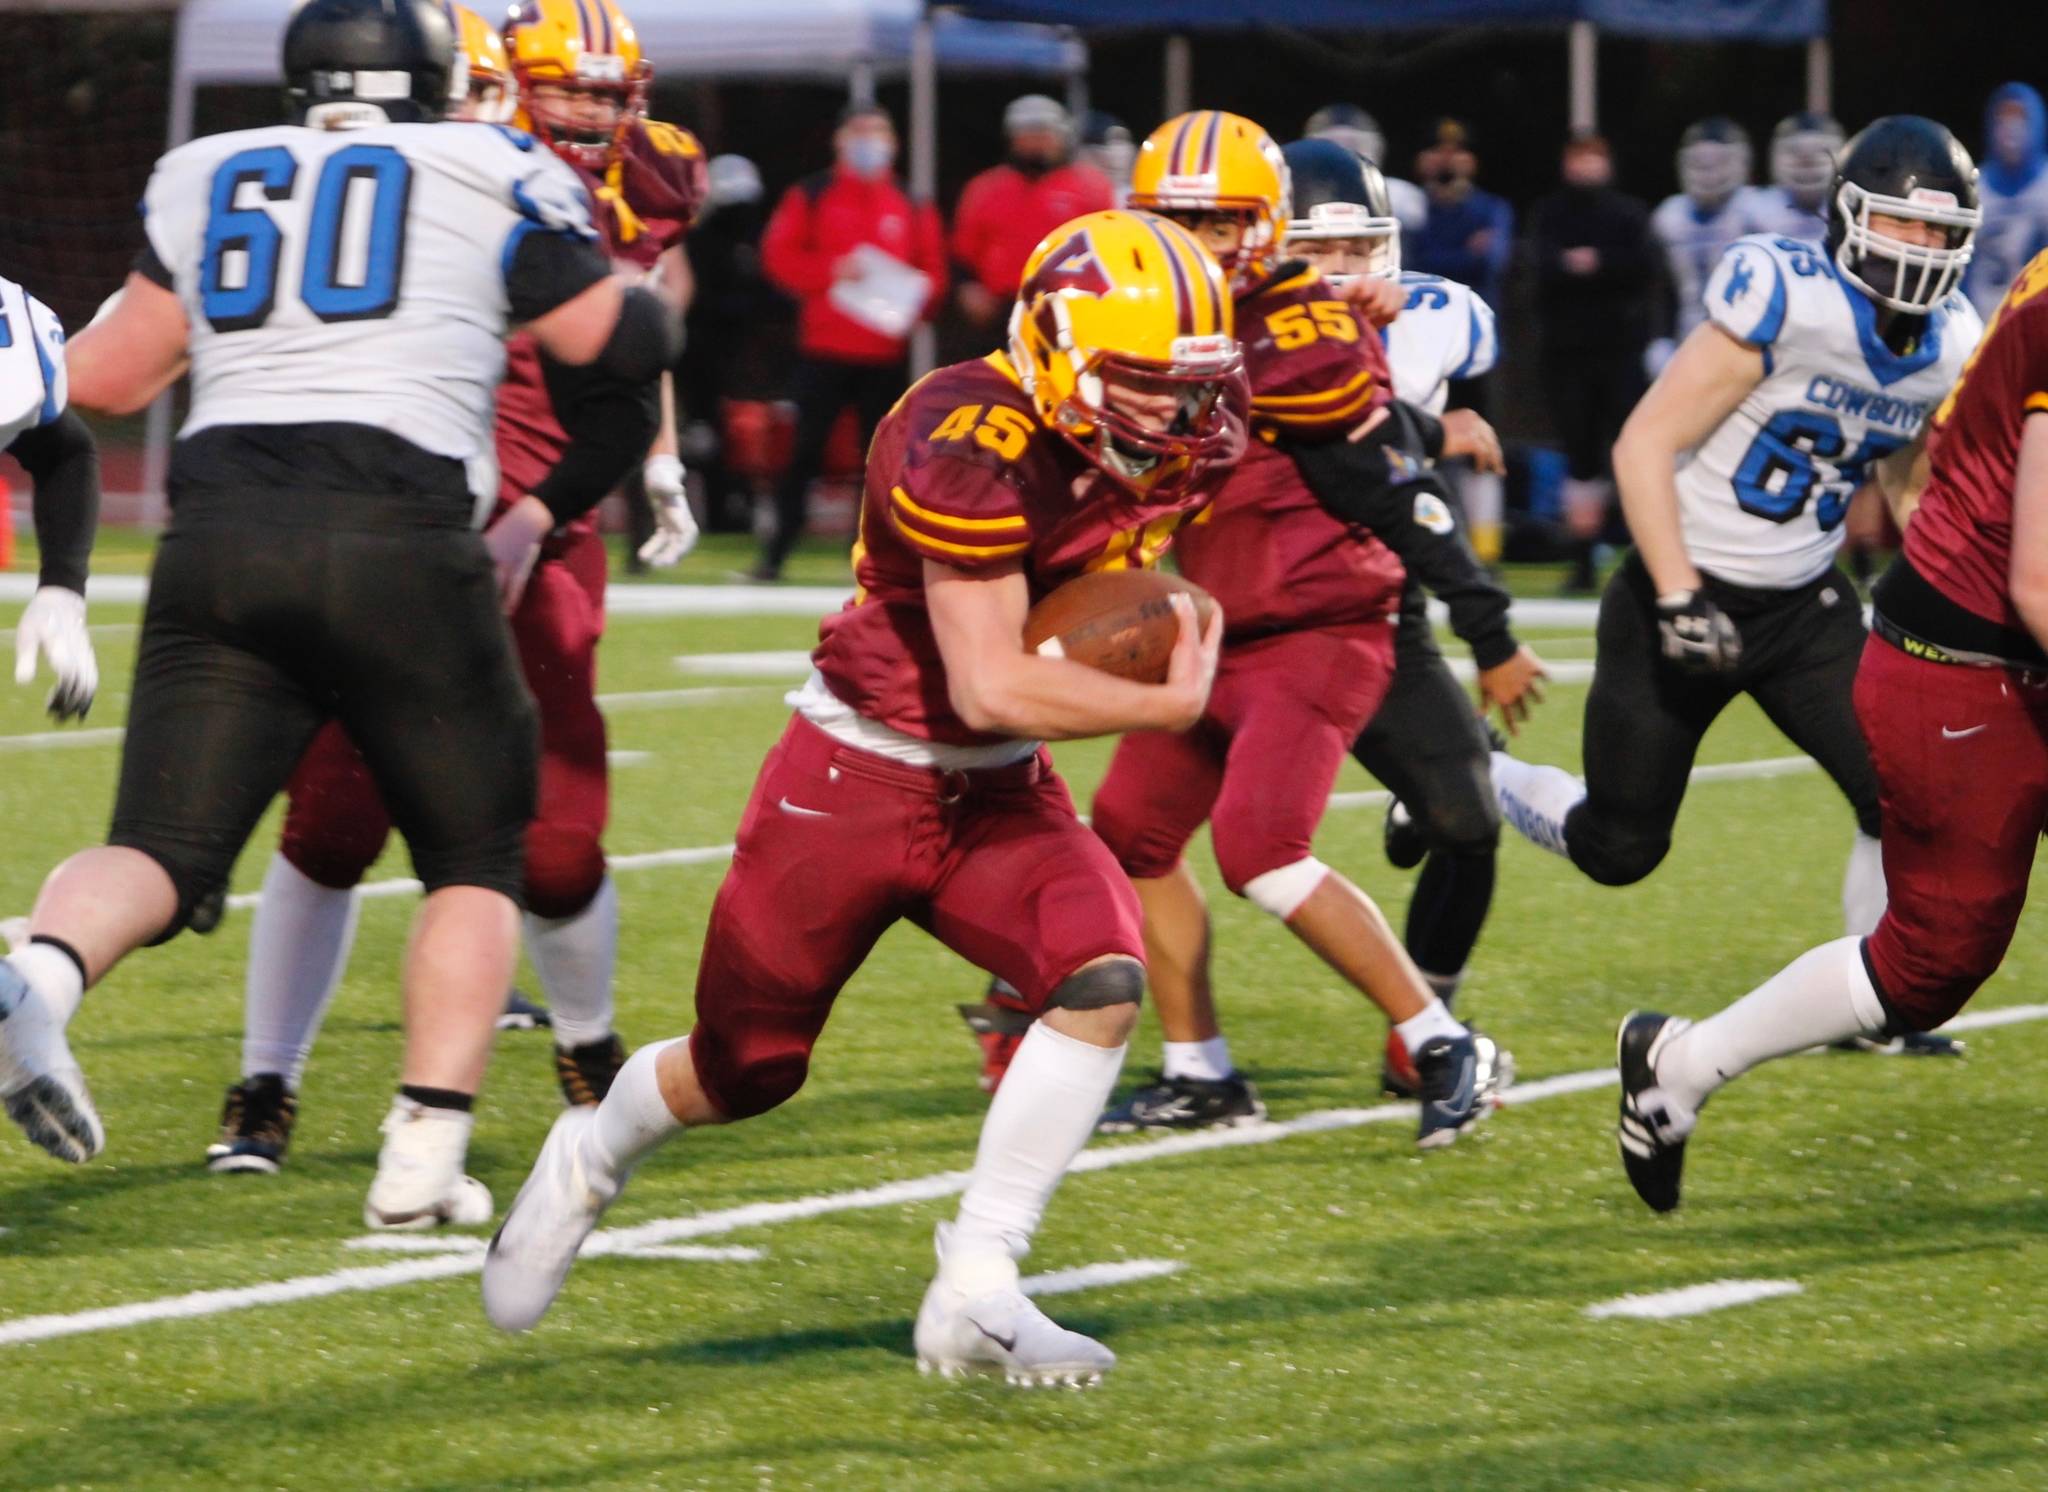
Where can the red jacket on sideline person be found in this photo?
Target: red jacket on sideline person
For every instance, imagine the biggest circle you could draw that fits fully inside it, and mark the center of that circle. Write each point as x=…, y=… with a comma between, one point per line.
x=824, y=217
x=1003, y=213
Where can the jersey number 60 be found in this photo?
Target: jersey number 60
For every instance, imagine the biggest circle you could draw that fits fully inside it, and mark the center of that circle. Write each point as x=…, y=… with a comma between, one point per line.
x=249, y=237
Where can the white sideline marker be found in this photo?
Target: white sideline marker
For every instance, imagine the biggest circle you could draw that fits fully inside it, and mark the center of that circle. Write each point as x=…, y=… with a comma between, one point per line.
x=666, y=1231
x=1693, y=1300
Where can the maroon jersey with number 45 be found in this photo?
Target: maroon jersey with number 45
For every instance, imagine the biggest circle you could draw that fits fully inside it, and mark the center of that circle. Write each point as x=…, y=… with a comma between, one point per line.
x=962, y=471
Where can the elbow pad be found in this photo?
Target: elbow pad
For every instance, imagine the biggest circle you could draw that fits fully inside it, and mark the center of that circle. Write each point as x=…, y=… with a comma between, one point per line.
x=645, y=341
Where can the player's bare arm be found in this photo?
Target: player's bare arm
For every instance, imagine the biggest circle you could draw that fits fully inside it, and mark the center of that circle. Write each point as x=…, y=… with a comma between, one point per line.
x=1901, y=477
x=2030, y=528
x=1705, y=380
x=132, y=353
x=995, y=685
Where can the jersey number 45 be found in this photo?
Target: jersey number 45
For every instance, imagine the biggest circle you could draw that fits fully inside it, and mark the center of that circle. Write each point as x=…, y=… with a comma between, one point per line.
x=238, y=276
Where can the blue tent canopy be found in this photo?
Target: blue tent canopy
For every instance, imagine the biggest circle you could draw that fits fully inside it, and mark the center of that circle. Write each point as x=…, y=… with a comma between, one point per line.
x=1727, y=20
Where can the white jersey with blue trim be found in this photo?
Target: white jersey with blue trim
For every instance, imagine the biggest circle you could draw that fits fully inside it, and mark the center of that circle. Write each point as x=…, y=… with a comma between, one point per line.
x=1762, y=498
x=356, y=276
x=1693, y=243
x=32, y=385
x=1445, y=331
x=1782, y=215
x=2015, y=229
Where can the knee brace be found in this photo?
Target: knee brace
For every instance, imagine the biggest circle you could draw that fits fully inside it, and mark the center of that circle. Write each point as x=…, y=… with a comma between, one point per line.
x=564, y=869
x=1281, y=892
x=1114, y=981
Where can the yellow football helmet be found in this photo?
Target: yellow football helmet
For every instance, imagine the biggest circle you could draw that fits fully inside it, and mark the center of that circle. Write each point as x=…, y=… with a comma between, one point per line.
x=480, y=87
x=586, y=48
x=1123, y=336
x=1213, y=162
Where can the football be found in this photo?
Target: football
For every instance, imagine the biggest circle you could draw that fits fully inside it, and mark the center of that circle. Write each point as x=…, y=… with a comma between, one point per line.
x=1120, y=621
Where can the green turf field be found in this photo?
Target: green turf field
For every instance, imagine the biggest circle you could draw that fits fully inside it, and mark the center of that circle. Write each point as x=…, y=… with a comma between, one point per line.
x=1343, y=1315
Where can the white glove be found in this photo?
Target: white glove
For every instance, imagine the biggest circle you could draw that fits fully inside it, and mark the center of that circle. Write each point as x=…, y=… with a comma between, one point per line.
x=54, y=621
x=675, y=526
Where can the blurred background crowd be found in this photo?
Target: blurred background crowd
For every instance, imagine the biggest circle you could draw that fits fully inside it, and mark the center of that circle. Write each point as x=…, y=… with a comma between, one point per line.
x=1592, y=246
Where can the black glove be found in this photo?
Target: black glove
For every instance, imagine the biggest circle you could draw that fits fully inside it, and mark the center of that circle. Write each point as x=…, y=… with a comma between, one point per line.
x=1697, y=635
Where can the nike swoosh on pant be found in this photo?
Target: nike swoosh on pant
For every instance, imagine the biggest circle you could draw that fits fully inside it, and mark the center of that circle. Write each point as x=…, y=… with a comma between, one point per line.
x=803, y=813
x=1957, y=735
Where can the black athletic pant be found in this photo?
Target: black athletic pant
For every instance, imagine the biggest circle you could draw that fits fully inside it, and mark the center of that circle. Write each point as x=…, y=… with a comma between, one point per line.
x=1590, y=393
x=822, y=389
x=269, y=614
x=1426, y=743
x=1645, y=718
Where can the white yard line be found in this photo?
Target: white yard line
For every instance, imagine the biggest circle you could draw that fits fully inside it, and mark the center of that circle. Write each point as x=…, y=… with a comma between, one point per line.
x=713, y=694
x=1098, y=1276
x=628, y=758
x=667, y=1231
x=62, y=740
x=1693, y=1300
x=777, y=663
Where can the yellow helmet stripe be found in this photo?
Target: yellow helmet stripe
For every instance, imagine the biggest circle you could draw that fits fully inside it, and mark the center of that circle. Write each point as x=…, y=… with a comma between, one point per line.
x=1183, y=296
x=970, y=525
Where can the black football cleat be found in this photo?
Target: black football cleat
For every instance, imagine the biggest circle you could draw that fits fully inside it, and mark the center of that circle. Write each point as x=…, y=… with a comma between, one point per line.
x=256, y=1128
x=1911, y=1044
x=1652, y=1131
x=1402, y=838
x=1460, y=1079
x=208, y=910
x=523, y=1014
x=1186, y=1103
x=586, y=1073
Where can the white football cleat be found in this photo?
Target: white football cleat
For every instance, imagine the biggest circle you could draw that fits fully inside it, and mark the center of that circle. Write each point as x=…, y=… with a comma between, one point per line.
x=420, y=1183
x=552, y=1215
x=975, y=1319
x=41, y=1085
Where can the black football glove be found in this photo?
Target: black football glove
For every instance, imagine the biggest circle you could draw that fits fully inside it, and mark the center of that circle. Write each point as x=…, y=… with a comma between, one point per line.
x=1697, y=635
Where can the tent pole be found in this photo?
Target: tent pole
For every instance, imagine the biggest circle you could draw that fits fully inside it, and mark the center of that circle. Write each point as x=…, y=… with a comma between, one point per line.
x=924, y=158
x=1820, y=75
x=156, y=430
x=860, y=83
x=1180, y=74
x=1585, y=75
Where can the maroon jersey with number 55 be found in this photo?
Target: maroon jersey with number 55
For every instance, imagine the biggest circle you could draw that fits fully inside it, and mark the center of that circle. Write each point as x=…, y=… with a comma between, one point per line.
x=962, y=471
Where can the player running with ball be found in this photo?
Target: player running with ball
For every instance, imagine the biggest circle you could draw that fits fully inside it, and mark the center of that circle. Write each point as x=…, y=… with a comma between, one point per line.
x=912, y=782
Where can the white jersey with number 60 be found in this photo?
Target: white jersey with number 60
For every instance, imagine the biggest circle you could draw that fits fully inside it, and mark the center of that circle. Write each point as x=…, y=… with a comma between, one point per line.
x=1763, y=497
x=355, y=276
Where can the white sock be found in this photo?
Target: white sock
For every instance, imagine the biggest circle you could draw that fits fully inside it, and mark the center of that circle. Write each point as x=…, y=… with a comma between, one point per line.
x=57, y=983
x=1535, y=799
x=297, y=950
x=1037, y=1123
x=1434, y=1020
x=574, y=957
x=1863, y=893
x=1208, y=1060
x=634, y=1117
x=1823, y=995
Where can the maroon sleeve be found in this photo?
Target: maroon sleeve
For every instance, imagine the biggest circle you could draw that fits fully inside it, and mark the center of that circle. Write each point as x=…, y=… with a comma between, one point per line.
x=1317, y=367
x=957, y=496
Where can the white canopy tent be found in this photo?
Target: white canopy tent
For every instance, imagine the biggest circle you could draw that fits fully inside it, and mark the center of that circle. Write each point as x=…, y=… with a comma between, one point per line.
x=237, y=42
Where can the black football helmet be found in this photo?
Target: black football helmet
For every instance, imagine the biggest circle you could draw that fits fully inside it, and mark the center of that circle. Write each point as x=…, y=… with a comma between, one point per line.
x=1713, y=160
x=1349, y=126
x=1339, y=195
x=368, y=61
x=1803, y=150
x=1903, y=167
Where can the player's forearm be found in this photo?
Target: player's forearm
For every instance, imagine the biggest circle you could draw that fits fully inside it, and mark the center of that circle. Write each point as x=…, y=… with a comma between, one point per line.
x=1054, y=699
x=1644, y=471
x=1902, y=477
x=665, y=440
x=63, y=461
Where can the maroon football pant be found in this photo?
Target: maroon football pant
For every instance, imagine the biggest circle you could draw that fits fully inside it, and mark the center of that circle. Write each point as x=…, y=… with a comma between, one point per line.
x=1259, y=765
x=837, y=845
x=1962, y=770
x=335, y=825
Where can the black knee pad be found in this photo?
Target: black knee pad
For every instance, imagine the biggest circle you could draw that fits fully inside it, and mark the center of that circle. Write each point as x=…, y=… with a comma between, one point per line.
x=1459, y=814
x=1868, y=820
x=1614, y=857
x=1116, y=981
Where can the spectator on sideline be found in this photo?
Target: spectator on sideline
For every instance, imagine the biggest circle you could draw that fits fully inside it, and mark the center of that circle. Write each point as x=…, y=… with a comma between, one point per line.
x=1595, y=265
x=1108, y=145
x=820, y=242
x=1007, y=209
x=737, y=328
x=2013, y=191
x=1469, y=233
